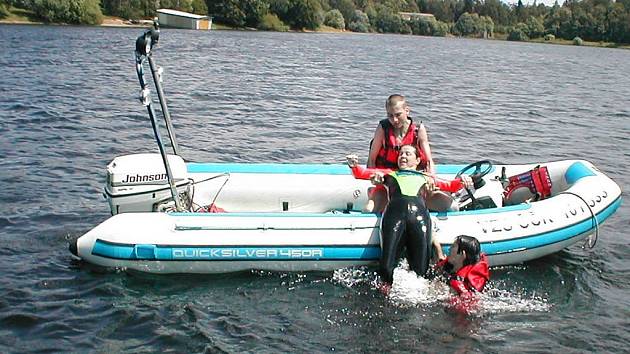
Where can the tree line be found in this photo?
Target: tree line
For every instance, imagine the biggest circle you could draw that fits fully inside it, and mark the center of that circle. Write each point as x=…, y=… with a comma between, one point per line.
x=594, y=20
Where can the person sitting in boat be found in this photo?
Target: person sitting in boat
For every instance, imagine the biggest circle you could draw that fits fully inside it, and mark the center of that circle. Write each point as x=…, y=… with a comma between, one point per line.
x=391, y=134
x=406, y=221
x=466, y=267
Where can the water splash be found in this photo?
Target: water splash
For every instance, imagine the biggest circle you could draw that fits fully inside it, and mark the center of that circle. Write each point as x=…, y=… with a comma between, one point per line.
x=409, y=290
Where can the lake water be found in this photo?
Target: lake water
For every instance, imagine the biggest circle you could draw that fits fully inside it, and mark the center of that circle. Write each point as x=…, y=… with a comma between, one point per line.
x=68, y=105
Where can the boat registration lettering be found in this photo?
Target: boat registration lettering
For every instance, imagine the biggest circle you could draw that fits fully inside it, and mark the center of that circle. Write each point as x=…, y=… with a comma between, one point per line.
x=247, y=253
x=523, y=220
x=526, y=219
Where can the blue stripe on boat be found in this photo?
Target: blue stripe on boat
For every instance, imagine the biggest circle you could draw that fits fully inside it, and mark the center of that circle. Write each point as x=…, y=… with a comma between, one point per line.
x=281, y=168
x=234, y=253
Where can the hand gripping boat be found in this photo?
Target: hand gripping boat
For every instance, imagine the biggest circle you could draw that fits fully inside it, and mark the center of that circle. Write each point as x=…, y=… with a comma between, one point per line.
x=172, y=216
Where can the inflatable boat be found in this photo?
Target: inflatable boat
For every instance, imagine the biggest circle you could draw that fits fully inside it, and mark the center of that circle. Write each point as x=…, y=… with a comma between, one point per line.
x=174, y=216
x=284, y=217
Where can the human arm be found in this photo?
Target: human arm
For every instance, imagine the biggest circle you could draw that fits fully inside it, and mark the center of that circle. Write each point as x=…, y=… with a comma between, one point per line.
x=423, y=144
x=360, y=172
x=449, y=186
x=377, y=144
x=438, y=249
x=456, y=282
x=454, y=185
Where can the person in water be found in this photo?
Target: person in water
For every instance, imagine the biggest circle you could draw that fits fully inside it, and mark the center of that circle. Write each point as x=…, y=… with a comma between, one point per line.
x=466, y=267
x=405, y=222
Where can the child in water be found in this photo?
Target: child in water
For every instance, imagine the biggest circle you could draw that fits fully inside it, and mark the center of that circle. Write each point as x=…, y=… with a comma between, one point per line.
x=466, y=267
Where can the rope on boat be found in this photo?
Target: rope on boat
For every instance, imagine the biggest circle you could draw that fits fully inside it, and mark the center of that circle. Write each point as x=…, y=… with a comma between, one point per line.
x=227, y=174
x=591, y=241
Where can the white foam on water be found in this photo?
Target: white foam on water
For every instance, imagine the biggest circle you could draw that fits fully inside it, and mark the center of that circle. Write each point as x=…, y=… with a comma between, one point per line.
x=409, y=290
x=494, y=300
x=352, y=277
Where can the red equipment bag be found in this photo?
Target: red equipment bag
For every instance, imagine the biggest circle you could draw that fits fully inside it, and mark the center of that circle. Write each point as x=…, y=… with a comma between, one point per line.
x=537, y=181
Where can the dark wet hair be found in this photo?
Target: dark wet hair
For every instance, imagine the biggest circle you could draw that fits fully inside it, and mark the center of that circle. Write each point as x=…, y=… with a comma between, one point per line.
x=415, y=148
x=471, y=246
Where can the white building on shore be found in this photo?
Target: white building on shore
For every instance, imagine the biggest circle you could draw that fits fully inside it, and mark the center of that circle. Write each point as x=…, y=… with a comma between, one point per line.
x=180, y=19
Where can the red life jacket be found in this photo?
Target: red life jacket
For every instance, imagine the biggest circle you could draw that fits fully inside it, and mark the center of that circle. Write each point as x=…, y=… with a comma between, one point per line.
x=537, y=181
x=470, y=278
x=388, y=154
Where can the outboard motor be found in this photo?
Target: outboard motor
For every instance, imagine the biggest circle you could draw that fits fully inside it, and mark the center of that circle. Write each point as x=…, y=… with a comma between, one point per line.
x=139, y=183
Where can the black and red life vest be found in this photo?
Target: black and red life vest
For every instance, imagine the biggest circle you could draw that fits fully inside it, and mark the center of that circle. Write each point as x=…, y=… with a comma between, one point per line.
x=469, y=278
x=388, y=154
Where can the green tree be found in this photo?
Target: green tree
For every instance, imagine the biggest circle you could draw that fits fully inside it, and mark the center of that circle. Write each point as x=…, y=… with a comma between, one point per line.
x=271, y=22
x=535, y=27
x=441, y=9
x=422, y=26
x=304, y=14
x=239, y=13
x=428, y=26
x=334, y=18
x=130, y=9
x=346, y=7
x=4, y=8
x=469, y=6
x=199, y=7
x=497, y=10
x=520, y=11
x=518, y=32
x=558, y=21
x=280, y=8
x=359, y=22
x=83, y=12
x=229, y=12
x=487, y=26
x=180, y=5
x=619, y=23
x=467, y=24
x=386, y=21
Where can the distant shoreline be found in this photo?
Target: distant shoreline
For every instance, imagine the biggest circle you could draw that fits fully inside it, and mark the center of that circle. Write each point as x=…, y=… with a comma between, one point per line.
x=115, y=22
x=120, y=23
x=106, y=23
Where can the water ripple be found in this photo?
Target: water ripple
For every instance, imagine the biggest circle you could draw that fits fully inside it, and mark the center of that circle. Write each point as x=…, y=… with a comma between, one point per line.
x=70, y=106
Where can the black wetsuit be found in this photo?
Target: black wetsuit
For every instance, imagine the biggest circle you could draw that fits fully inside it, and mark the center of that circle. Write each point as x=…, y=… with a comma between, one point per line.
x=405, y=223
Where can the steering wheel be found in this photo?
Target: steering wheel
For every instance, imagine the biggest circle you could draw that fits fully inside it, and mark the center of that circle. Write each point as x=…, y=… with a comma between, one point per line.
x=476, y=176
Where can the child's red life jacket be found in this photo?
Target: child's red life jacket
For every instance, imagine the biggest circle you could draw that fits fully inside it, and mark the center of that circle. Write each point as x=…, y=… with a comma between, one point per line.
x=470, y=278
